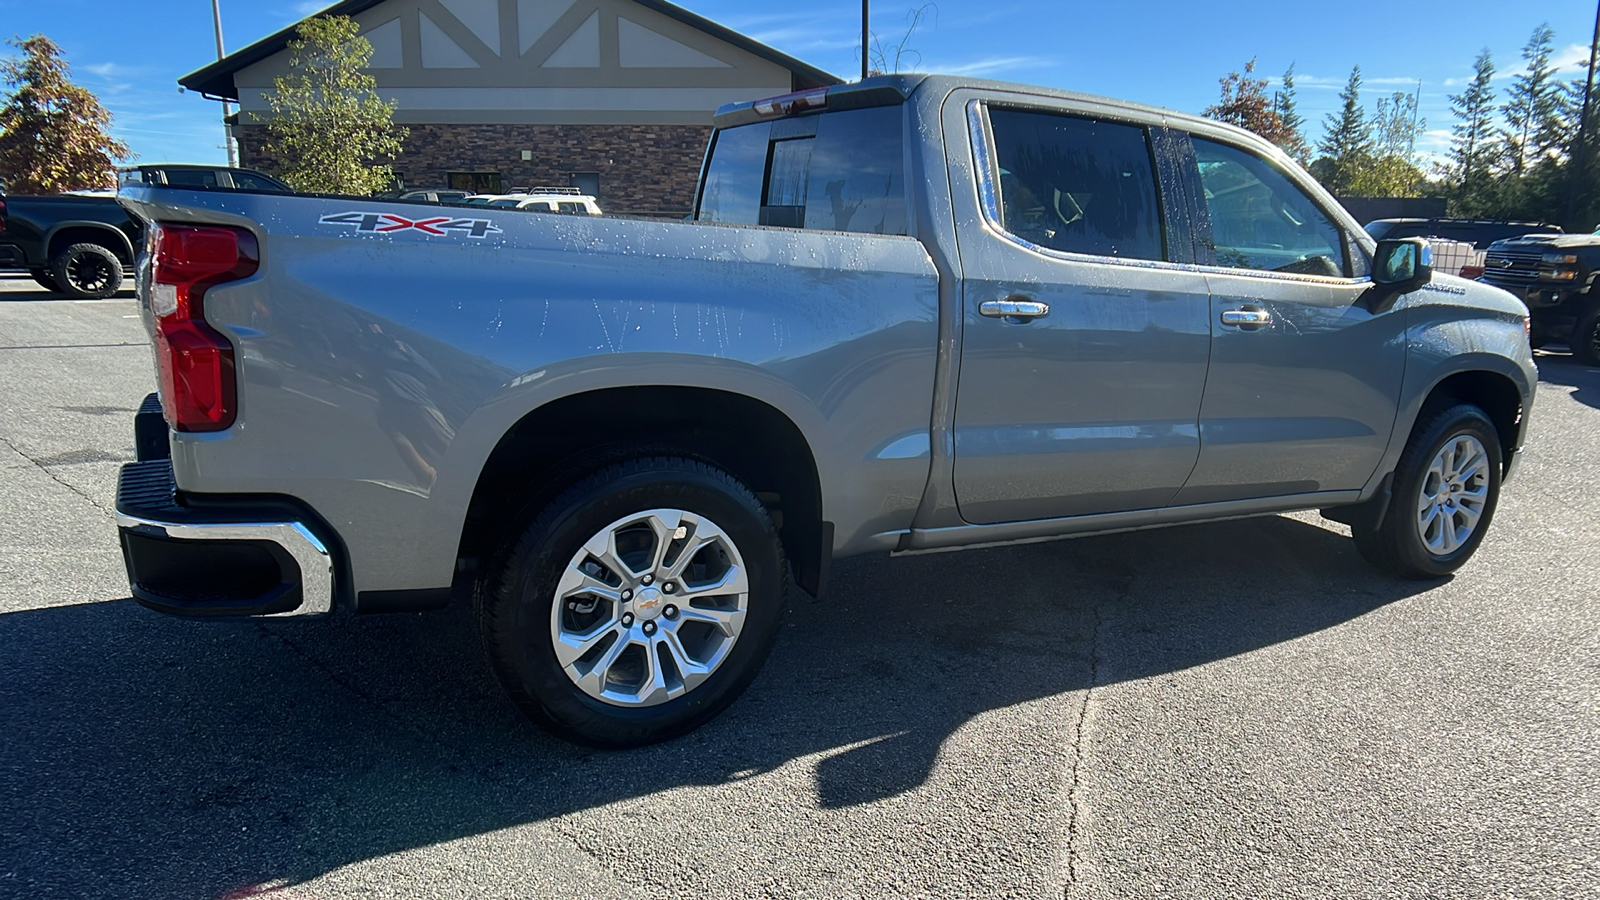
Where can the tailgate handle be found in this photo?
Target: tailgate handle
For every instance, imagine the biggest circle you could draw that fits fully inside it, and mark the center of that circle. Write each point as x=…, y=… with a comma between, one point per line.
x=1015, y=306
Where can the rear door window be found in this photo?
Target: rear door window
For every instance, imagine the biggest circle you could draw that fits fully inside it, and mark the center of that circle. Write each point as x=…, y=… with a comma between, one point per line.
x=192, y=178
x=840, y=171
x=1077, y=185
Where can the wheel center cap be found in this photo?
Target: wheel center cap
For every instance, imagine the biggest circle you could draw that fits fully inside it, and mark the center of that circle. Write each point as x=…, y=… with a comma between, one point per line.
x=647, y=602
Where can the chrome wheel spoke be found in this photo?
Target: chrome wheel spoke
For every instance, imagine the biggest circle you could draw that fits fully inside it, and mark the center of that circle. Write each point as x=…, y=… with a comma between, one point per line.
x=571, y=647
x=727, y=621
x=643, y=636
x=593, y=681
x=1454, y=495
x=732, y=581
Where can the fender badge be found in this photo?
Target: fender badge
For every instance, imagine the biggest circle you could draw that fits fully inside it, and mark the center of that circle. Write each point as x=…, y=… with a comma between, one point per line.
x=386, y=223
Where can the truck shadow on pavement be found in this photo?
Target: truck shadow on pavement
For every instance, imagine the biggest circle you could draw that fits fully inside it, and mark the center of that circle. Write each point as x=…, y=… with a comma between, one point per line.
x=149, y=756
x=1561, y=369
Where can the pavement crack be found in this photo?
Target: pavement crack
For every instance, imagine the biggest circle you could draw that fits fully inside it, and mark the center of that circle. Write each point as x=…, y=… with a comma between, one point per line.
x=56, y=478
x=1075, y=800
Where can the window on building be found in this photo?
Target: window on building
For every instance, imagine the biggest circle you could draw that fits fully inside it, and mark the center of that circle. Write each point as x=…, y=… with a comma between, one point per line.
x=476, y=182
x=587, y=182
x=1077, y=185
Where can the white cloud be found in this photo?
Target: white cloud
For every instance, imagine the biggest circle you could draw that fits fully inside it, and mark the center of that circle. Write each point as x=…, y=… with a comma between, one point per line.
x=1571, y=61
x=993, y=65
x=311, y=7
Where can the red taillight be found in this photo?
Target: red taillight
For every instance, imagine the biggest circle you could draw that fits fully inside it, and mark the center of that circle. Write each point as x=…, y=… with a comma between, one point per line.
x=198, y=391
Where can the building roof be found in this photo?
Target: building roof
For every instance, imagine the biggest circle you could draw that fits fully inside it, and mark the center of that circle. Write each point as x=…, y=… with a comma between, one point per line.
x=216, y=80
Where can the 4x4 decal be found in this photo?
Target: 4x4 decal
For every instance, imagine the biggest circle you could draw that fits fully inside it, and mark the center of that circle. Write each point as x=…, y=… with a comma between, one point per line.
x=384, y=223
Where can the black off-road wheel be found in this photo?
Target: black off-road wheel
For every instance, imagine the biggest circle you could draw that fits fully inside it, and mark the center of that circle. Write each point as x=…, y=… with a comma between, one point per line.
x=87, y=271
x=44, y=279
x=638, y=605
x=1446, y=486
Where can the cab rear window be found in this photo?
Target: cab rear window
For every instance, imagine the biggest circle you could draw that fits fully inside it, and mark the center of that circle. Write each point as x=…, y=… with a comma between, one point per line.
x=839, y=171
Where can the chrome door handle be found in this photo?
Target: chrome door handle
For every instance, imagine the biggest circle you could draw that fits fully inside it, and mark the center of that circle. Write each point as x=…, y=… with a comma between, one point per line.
x=1013, y=308
x=1246, y=318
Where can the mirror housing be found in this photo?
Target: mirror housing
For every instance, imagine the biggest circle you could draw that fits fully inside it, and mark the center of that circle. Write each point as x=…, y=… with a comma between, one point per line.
x=1399, y=267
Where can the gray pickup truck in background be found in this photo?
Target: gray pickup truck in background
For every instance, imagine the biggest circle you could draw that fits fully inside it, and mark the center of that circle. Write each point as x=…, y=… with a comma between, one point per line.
x=913, y=314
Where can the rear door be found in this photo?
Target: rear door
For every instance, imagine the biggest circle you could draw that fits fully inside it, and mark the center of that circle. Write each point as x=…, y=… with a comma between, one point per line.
x=1304, y=381
x=1085, y=340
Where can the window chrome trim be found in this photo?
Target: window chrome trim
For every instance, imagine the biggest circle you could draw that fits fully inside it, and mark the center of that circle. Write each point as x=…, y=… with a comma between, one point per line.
x=984, y=155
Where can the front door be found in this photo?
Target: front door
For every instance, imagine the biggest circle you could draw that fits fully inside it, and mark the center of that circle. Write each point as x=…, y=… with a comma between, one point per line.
x=1084, y=352
x=1304, y=380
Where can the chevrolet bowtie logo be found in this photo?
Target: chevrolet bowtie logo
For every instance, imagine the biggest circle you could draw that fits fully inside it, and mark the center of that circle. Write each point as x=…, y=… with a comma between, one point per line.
x=1502, y=263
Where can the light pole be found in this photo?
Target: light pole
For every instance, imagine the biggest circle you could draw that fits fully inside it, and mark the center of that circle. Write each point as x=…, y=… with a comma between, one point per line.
x=865, y=9
x=227, y=134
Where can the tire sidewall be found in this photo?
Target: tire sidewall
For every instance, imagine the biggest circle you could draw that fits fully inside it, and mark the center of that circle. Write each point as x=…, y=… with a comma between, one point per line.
x=1458, y=421
x=61, y=266
x=530, y=592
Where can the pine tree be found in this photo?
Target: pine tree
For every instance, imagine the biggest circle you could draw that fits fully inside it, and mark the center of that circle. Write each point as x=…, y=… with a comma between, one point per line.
x=1468, y=168
x=1533, y=107
x=330, y=127
x=1346, y=147
x=52, y=132
x=1284, y=104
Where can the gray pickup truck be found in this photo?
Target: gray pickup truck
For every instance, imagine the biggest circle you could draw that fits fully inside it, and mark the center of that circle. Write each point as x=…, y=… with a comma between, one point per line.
x=912, y=314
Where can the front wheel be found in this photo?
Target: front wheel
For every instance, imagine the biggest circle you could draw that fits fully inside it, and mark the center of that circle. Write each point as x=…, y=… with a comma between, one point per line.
x=638, y=605
x=1445, y=489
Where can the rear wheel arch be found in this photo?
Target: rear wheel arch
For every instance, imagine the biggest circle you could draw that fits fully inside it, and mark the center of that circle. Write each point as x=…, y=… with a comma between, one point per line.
x=566, y=439
x=65, y=234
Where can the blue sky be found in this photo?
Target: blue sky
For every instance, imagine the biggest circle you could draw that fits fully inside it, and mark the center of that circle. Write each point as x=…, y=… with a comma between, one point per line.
x=131, y=52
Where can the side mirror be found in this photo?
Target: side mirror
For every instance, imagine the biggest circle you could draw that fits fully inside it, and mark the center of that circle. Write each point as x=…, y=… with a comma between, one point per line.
x=1399, y=267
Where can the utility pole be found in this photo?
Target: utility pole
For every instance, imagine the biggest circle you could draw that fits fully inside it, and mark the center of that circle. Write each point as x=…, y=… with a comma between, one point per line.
x=865, y=10
x=227, y=134
x=1580, y=151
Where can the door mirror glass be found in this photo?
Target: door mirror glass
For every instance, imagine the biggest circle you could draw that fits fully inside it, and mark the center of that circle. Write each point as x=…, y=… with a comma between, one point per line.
x=1403, y=265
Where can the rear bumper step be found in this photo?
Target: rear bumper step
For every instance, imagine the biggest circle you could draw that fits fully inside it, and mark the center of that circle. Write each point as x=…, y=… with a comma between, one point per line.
x=228, y=560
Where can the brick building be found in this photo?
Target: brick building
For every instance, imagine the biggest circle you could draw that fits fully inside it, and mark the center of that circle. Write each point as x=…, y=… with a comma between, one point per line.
x=612, y=96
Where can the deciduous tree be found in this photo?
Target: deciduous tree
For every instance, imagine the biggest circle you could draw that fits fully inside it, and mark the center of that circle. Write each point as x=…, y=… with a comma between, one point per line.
x=1244, y=102
x=329, y=127
x=52, y=132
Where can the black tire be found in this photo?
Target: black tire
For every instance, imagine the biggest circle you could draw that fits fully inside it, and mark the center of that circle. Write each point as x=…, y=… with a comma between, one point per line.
x=516, y=618
x=44, y=279
x=1585, y=341
x=1396, y=546
x=87, y=271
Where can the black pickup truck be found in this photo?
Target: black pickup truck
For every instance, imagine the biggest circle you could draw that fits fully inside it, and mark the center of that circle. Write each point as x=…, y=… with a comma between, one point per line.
x=78, y=244
x=1556, y=275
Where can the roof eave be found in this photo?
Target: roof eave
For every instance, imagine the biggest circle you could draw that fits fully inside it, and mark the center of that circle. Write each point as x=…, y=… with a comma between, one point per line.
x=216, y=79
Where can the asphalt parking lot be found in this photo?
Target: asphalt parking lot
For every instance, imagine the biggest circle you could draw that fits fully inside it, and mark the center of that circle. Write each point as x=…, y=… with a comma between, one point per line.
x=1232, y=710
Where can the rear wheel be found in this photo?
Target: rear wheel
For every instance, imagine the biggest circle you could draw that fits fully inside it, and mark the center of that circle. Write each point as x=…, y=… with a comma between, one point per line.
x=639, y=604
x=1446, y=486
x=87, y=271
